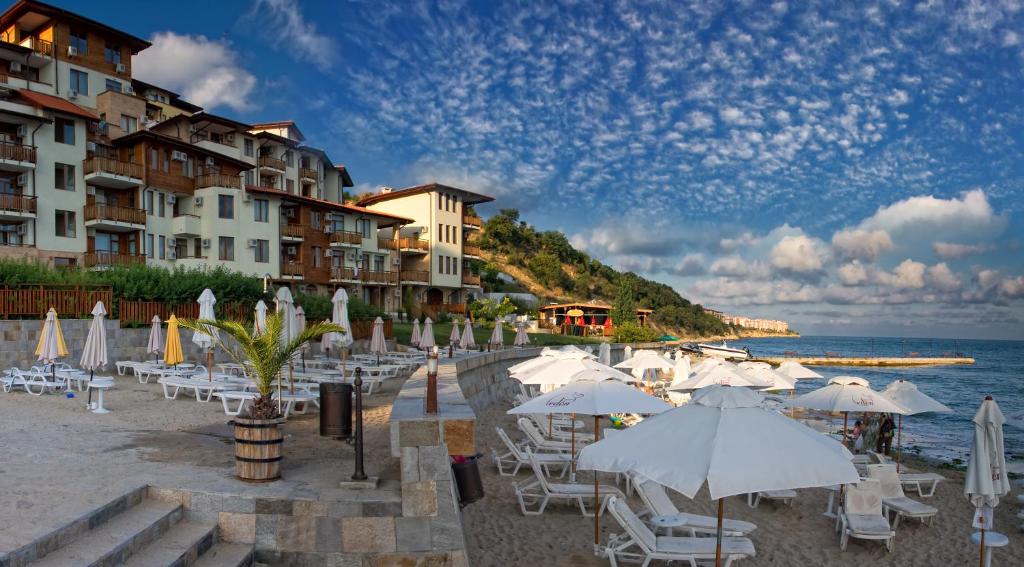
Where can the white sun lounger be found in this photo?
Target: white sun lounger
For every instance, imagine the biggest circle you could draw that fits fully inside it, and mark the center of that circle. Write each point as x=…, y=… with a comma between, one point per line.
x=924, y=483
x=639, y=543
x=557, y=432
x=202, y=387
x=244, y=398
x=658, y=503
x=895, y=501
x=785, y=496
x=35, y=381
x=516, y=458
x=862, y=516
x=542, y=444
x=539, y=490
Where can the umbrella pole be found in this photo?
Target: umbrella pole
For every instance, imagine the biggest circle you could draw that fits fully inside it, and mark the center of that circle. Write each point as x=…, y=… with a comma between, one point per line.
x=551, y=431
x=899, y=442
x=718, y=538
x=209, y=364
x=291, y=378
x=597, y=508
x=572, y=417
x=981, y=557
x=89, y=403
x=846, y=417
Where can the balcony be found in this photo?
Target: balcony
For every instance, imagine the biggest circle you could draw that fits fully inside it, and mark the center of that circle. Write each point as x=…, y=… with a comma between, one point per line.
x=373, y=277
x=346, y=238
x=107, y=172
x=415, y=277
x=470, y=280
x=292, y=271
x=186, y=225
x=272, y=163
x=42, y=50
x=308, y=174
x=413, y=246
x=293, y=232
x=17, y=157
x=347, y=275
x=472, y=223
x=17, y=207
x=115, y=218
x=471, y=251
x=386, y=244
x=102, y=259
x=218, y=180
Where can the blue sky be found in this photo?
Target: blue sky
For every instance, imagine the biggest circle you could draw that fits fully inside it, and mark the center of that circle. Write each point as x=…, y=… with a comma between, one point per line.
x=852, y=167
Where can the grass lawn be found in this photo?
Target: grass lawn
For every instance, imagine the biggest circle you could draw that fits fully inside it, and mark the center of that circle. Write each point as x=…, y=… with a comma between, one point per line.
x=481, y=334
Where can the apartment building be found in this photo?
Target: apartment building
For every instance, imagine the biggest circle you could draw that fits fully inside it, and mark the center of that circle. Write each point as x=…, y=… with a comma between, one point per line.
x=436, y=252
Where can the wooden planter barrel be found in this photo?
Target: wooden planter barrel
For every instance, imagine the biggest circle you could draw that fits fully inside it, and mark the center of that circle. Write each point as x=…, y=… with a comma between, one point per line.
x=258, y=449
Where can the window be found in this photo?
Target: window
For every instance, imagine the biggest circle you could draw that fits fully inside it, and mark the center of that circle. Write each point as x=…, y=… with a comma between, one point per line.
x=250, y=177
x=289, y=159
x=447, y=233
x=455, y=203
x=440, y=232
x=261, y=210
x=149, y=203
x=77, y=39
x=61, y=262
x=167, y=161
x=163, y=205
x=149, y=245
x=455, y=267
x=162, y=250
x=80, y=82
x=440, y=264
x=440, y=201
x=197, y=248
x=64, y=131
x=154, y=158
x=447, y=201
x=225, y=206
x=289, y=185
x=262, y=251
x=447, y=264
x=129, y=124
x=64, y=223
x=189, y=166
x=455, y=235
x=248, y=146
x=378, y=263
x=314, y=219
x=317, y=255
x=113, y=85
x=112, y=54
x=64, y=176
x=226, y=249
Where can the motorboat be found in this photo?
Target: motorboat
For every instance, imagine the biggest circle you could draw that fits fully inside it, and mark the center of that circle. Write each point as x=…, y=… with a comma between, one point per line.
x=724, y=351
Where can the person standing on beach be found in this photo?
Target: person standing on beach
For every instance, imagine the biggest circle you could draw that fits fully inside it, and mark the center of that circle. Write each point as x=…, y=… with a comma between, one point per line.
x=858, y=437
x=885, y=435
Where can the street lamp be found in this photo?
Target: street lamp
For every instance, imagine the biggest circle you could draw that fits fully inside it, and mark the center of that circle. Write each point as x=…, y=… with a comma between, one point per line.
x=432, y=381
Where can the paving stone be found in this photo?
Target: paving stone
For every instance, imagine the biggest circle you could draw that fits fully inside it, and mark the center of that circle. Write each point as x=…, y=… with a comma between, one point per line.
x=419, y=499
x=328, y=535
x=372, y=535
x=266, y=531
x=417, y=433
x=460, y=436
x=410, y=464
x=434, y=463
x=236, y=528
x=296, y=533
x=278, y=506
x=309, y=508
x=412, y=534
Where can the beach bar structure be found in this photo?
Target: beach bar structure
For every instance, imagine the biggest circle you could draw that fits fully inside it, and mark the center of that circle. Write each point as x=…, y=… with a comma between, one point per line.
x=583, y=319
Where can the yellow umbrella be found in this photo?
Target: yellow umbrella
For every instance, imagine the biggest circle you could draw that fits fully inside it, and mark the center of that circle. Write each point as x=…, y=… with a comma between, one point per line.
x=172, y=349
x=575, y=313
x=55, y=346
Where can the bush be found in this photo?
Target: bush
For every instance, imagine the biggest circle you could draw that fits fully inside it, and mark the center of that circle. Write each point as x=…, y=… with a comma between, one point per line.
x=488, y=309
x=548, y=270
x=633, y=333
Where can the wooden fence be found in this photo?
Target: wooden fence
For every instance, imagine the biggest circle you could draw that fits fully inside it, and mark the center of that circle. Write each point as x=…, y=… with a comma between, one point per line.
x=74, y=301
x=363, y=329
x=140, y=312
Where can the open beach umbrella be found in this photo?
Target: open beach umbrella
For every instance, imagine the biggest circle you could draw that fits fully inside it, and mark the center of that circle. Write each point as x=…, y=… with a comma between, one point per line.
x=707, y=363
x=206, y=339
x=378, y=345
x=604, y=354
x=497, y=337
x=94, y=353
x=680, y=374
x=172, y=349
x=563, y=371
x=467, y=341
x=285, y=307
x=259, y=322
x=427, y=337
x=156, y=338
x=846, y=394
x=731, y=443
x=51, y=345
x=914, y=401
x=986, y=478
x=414, y=339
x=776, y=380
x=547, y=356
x=453, y=337
x=339, y=316
x=643, y=362
x=522, y=339
x=720, y=375
x=794, y=369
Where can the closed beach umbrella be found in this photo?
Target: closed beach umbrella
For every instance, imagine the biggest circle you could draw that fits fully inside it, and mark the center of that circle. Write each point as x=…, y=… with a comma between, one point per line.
x=467, y=341
x=285, y=307
x=339, y=316
x=846, y=394
x=794, y=369
x=604, y=354
x=986, y=477
x=172, y=349
x=260, y=320
x=731, y=443
x=914, y=401
x=627, y=353
x=378, y=345
x=205, y=339
x=325, y=341
x=94, y=354
x=454, y=336
x=521, y=337
x=51, y=344
x=497, y=337
x=156, y=338
x=415, y=338
x=300, y=326
x=427, y=337
x=680, y=374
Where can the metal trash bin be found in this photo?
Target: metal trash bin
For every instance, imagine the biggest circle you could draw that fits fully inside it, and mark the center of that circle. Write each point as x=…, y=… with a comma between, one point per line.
x=335, y=410
x=466, y=470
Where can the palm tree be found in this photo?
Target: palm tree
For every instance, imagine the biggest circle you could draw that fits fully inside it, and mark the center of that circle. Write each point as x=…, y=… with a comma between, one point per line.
x=266, y=352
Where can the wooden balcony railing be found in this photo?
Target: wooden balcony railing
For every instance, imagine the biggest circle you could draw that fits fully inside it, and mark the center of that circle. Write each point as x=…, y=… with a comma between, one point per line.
x=415, y=276
x=472, y=221
x=272, y=162
x=99, y=164
x=346, y=237
x=343, y=274
x=307, y=173
x=38, y=45
x=470, y=250
x=218, y=180
x=375, y=277
x=18, y=203
x=292, y=269
x=386, y=244
x=98, y=211
x=17, y=152
x=470, y=279
x=413, y=244
x=101, y=258
x=293, y=231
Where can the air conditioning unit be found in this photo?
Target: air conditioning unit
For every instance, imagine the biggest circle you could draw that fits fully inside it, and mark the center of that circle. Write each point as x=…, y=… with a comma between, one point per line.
x=16, y=66
x=288, y=213
x=120, y=68
x=90, y=146
x=328, y=229
x=72, y=51
x=206, y=243
x=172, y=254
x=179, y=156
x=351, y=256
x=72, y=95
x=22, y=131
x=246, y=197
x=291, y=250
x=23, y=180
x=398, y=292
x=128, y=89
x=197, y=201
x=251, y=243
x=22, y=229
x=171, y=199
x=229, y=137
x=209, y=161
x=327, y=253
x=396, y=262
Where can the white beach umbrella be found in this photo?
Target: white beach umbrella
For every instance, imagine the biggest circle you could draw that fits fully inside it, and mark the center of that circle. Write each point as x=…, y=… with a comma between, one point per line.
x=721, y=375
x=339, y=316
x=846, y=394
x=94, y=353
x=563, y=371
x=522, y=339
x=592, y=394
x=205, y=339
x=427, y=337
x=708, y=363
x=259, y=322
x=643, y=362
x=300, y=326
x=497, y=337
x=794, y=369
x=604, y=354
x=378, y=345
x=284, y=305
x=986, y=478
x=681, y=370
x=156, y=337
x=547, y=356
x=764, y=371
x=914, y=401
x=325, y=341
x=573, y=351
x=731, y=443
x=454, y=336
x=467, y=341
x=414, y=339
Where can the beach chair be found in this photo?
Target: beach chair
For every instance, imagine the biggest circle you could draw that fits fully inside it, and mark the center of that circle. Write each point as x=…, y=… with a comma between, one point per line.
x=785, y=496
x=35, y=381
x=558, y=434
x=243, y=399
x=640, y=544
x=539, y=491
x=895, y=501
x=658, y=503
x=13, y=379
x=516, y=458
x=862, y=516
x=541, y=443
x=924, y=483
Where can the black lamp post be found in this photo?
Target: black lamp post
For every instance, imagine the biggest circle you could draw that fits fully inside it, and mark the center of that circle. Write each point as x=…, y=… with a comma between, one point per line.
x=432, y=381
x=359, y=474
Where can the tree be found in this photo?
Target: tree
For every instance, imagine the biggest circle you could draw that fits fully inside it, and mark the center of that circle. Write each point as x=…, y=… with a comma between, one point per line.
x=624, y=309
x=548, y=270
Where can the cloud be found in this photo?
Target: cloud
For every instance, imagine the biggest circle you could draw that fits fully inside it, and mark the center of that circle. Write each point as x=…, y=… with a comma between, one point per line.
x=284, y=25
x=942, y=278
x=967, y=217
x=953, y=251
x=799, y=254
x=738, y=267
x=206, y=72
x=852, y=274
x=861, y=244
x=907, y=275
x=690, y=265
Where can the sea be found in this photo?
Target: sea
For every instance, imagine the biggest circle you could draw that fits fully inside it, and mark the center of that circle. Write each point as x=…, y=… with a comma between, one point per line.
x=998, y=371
